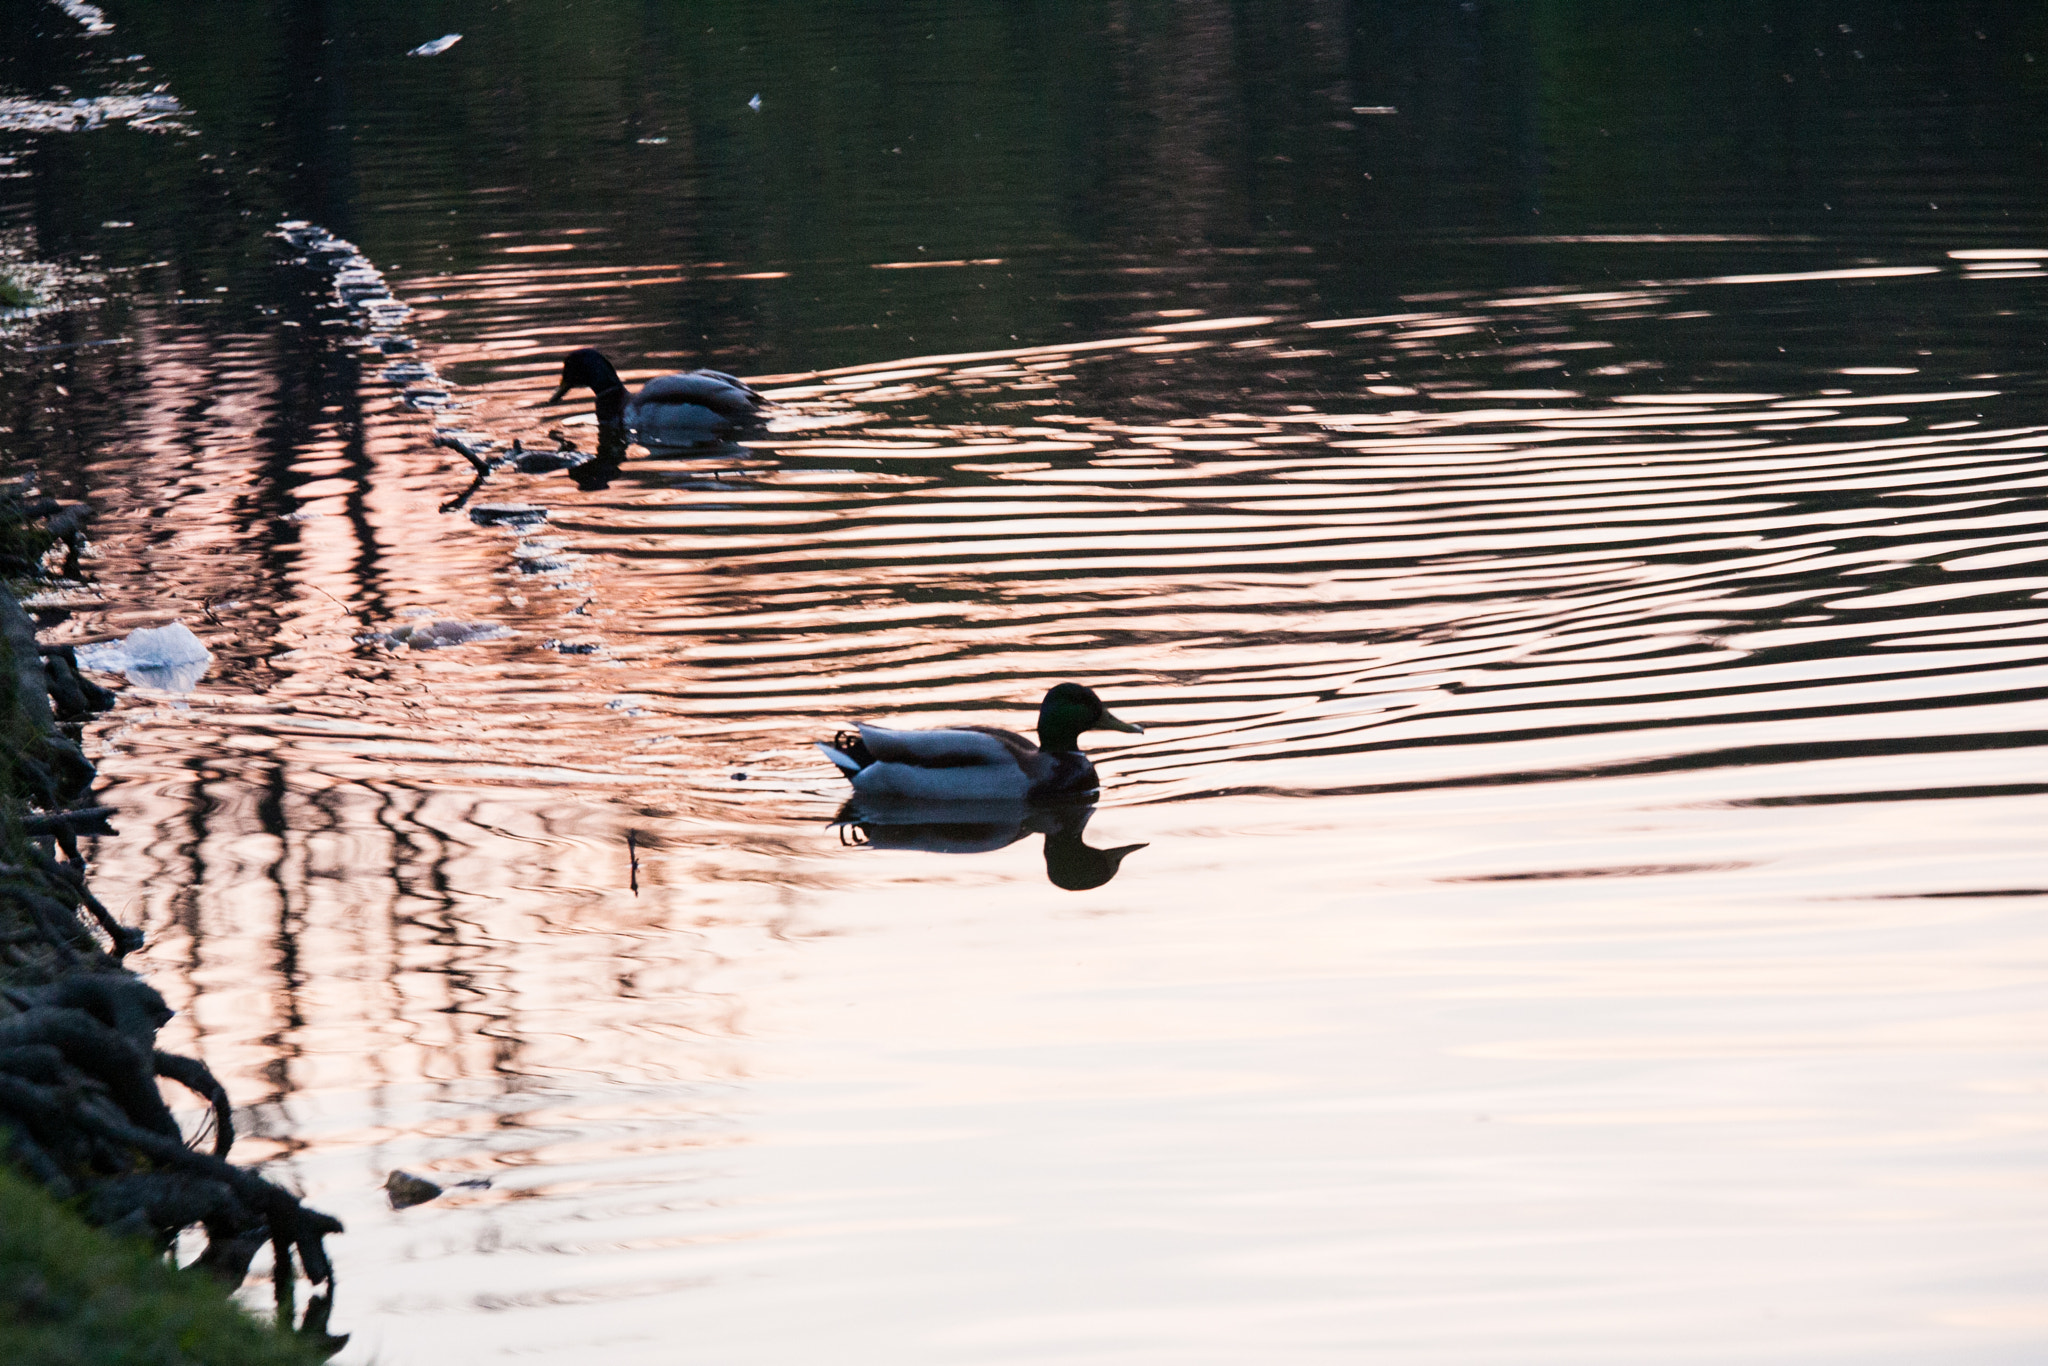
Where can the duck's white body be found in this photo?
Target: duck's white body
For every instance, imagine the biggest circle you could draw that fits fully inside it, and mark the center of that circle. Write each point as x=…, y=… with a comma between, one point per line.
x=965, y=765
x=685, y=409
x=979, y=763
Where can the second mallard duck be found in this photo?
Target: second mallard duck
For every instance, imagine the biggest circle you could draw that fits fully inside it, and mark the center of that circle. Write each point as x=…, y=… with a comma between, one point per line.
x=980, y=763
x=669, y=410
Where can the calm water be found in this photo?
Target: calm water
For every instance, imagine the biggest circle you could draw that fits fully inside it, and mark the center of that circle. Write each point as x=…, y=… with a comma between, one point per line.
x=1565, y=499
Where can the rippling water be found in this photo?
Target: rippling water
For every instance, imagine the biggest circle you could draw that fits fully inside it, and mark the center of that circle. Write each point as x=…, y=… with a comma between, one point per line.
x=1588, y=804
x=1579, y=883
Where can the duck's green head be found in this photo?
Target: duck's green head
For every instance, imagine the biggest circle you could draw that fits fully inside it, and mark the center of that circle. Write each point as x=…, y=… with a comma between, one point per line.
x=1070, y=709
x=586, y=368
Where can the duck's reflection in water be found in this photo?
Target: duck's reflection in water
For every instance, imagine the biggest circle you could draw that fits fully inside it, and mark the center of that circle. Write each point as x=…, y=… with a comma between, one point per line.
x=599, y=471
x=978, y=827
x=613, y=446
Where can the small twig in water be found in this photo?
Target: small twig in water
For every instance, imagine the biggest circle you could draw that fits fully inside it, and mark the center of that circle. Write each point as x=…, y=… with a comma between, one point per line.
x=336, y=601
x=633, y=853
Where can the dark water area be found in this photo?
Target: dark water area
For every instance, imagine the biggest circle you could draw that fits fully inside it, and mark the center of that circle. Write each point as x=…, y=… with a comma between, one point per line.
x=1560, y=485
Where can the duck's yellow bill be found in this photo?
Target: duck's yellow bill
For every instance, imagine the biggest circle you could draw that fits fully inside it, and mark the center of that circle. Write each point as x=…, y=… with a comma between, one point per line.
x=1111, y=721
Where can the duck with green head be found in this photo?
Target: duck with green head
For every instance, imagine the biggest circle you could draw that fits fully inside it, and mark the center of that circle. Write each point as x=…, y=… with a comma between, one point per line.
x=980, y=763
x=670, y=410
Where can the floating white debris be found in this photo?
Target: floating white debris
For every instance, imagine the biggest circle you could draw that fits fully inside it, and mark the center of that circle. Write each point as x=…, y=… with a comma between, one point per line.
x=167, y=657
x=359, y=282
x=437, y=47
x=358, y=285
x=755, y=104
x=162, y=647
x=63, y=594
x=156, y=113
x=91, y=16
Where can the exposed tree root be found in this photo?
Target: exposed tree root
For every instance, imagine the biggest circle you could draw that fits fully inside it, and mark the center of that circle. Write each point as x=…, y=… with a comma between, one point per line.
x=80, y=1108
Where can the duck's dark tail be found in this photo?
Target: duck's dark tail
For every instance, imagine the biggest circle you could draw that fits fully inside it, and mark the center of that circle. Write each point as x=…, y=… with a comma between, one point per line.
x=848, y=751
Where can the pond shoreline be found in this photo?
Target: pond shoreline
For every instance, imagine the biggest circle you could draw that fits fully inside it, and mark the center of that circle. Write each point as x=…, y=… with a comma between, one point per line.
x=99, y=1183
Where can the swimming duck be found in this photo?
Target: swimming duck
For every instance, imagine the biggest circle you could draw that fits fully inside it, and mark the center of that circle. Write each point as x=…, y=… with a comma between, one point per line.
x=669, y=410
x=980, y=763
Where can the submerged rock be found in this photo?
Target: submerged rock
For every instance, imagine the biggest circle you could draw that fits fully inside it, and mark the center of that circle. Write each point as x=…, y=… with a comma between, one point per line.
x=405, y=1190
x=439, y=634
x=544, y=462
x=508, y=514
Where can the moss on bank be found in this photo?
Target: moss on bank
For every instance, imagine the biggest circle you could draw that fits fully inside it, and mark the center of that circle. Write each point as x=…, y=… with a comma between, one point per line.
x=71, y=1295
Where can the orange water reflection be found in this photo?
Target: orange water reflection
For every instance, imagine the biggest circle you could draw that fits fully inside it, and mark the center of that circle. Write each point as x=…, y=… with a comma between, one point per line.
x=1590, y=801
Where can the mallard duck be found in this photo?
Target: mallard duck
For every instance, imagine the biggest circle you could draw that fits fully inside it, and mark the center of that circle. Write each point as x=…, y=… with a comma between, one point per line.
x=980, y=763
x=669, y=410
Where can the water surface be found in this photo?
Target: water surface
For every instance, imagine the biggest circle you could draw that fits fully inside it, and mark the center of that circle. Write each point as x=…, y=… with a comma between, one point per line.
x=1569, y=520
